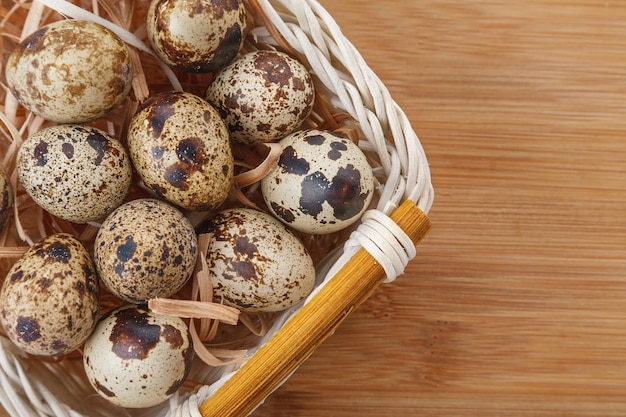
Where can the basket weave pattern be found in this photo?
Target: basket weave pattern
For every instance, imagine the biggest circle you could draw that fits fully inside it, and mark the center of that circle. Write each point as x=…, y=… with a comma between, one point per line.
x=306, y=30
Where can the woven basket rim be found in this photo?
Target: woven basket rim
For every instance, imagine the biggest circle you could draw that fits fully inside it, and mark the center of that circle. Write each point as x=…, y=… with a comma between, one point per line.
x=310, y=32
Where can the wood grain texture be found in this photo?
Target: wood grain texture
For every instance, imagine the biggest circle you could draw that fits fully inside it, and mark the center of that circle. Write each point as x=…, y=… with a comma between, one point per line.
x=515, y=303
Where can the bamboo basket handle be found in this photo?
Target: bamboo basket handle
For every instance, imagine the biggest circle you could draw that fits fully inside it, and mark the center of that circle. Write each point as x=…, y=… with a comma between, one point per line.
x=275, y=361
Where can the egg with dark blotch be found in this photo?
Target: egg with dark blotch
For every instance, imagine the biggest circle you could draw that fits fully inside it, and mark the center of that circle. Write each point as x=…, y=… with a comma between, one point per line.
x=75, y=172
x=70, y=71
x=200, y=36
x=255, y=263
x=180, y=147
x=6, y=198
x=322, y=182
x=50, y=297
x=136, y=358
x=145, y=249
x=262, y=96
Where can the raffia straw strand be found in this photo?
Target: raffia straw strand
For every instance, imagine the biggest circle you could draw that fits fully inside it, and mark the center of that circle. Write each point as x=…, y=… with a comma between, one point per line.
x=205, y=354
x=8, y=15
x=249, y=323
x=209, y=329
x=202, y=288
x=264, y=168
x=194, y=309
x=12, y=252
x=32, y=19
x=236, y=192
x=228, y=353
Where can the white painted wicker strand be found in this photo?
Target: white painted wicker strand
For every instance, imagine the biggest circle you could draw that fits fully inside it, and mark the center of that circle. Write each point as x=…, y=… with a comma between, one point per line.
x=42, y=390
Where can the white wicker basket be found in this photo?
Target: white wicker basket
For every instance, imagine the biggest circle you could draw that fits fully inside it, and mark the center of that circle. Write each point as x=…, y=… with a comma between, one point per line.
x=32, y=387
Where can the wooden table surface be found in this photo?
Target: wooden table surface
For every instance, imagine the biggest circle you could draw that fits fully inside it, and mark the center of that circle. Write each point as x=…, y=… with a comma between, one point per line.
x=516, y=302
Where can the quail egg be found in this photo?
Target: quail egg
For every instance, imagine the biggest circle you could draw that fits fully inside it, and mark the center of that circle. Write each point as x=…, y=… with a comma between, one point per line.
x=50, y=298
x=262, y=96
x=145, y=249
x=256, y=264
x=78, y=173
x=70, y=71
x=136, y=358
x=322, y=182
x=200, y=36
x=179, y=145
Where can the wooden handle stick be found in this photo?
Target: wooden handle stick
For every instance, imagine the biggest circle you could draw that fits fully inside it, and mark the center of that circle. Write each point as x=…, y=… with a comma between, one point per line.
x=303, y=333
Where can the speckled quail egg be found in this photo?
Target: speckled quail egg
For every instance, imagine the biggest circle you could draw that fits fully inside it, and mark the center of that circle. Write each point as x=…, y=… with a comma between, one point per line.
x=50, y=298
x=78, y=173
x=145, y=249
x=6, y=198
x=70, y=71
x=256, y=264
x=136, y=358
x=179, y=145
x=262, y=96
x=322, y=182
x=199, y=36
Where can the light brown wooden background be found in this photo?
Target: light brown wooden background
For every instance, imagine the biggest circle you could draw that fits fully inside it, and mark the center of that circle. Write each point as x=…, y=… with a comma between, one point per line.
x=516, y=302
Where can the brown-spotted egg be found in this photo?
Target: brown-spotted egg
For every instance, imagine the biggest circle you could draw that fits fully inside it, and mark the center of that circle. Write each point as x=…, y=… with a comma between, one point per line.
x=50, y=298
x=322, y=182
x=256, y=264
x=70, y=71
x=145, y=249
x=78, y=173
x=180, y=147
x=199, y=36
x=6, y=198
x=136, y=358
x=262, y=96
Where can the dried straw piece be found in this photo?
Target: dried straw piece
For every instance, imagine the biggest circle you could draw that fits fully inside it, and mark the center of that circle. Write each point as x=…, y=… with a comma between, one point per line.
x=209, y=329
x=260, y=329
x=263, y=169
x=212, y=356
x=236, y=192
x=194, y=309
x=202, y=288
x=12, y=252
x=32, y=20
x=15, y=137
